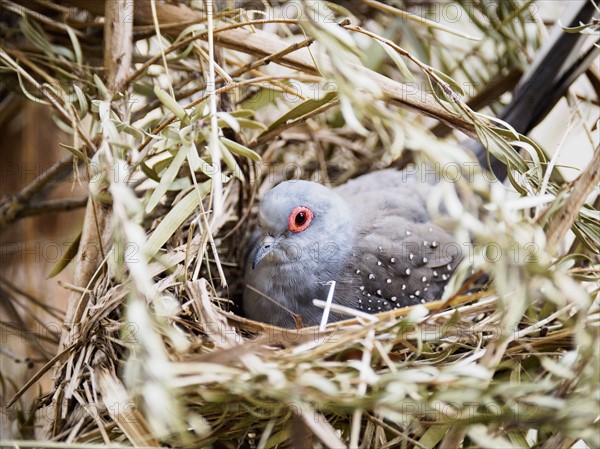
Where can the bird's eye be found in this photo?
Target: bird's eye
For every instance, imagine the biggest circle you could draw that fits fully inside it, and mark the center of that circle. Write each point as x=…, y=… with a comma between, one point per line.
x=300, y=219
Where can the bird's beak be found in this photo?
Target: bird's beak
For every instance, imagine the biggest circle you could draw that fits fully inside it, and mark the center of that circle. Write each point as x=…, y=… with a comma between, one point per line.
x=265, y=245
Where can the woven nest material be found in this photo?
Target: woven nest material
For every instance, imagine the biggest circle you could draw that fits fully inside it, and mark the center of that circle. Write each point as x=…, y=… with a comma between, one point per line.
x=155, y=351
x=206, y=377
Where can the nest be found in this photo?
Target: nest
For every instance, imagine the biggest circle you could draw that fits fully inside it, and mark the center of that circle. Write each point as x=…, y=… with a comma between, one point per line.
x=159, y=354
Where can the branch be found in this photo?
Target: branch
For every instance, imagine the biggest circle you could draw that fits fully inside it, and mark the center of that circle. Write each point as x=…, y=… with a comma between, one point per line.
x=578, y=191
x=12, y=206
x=118, y=33
x=261, y=43
x=489, y=94
x=97, y=230
x=52, y=206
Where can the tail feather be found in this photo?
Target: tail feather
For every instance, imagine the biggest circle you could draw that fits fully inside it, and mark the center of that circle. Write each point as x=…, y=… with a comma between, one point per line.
x=554, y=69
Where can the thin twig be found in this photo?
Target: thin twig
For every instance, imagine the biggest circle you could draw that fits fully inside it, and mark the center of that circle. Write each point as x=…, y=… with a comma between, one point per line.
x=213, y=139
x=49, y=95
x=43, y=370
x=53, y=206
x=418, y=19
x=182, y=43
x=236, y=73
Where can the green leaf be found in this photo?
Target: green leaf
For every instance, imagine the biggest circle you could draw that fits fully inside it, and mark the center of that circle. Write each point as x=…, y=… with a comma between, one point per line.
x=168, y=177
x=65, y=127
x=75, y=44
x=450, y=81
x=67, y=257
x=150, y=172
x=160, y=166
x=36, y=36
x=239, y=149
x=143, y=89
x=303, y=108
x=518, y=438
x=83, y=103
x=132, y=131
x=433, y=436
x=174, y=219
x=101, y=88
x=443, y=103
x=279, y=438
x=243, y=113
x=500, y=148
x=244, y=123
x=588, y=234
x=197, y=163
x=170, y=103
x=261, y=98
x=397, y=58
x=194, y=159
x=513, y=181
x=231, y=162
x=192, y=29
x=27, y=94
x=73, y=151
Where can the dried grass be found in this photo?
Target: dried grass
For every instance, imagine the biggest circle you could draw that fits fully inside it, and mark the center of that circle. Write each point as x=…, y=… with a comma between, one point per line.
x=156, y=355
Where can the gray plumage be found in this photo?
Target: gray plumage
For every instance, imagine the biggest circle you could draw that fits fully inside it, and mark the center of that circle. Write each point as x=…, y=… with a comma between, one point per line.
x=379, y=209
x=372, y=235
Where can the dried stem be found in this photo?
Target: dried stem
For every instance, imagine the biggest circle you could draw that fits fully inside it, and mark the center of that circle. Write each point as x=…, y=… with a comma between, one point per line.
x=578, y=192
x=97, y=231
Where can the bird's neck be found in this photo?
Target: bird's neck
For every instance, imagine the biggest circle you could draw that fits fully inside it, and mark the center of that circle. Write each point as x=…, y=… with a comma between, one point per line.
x=307, y=276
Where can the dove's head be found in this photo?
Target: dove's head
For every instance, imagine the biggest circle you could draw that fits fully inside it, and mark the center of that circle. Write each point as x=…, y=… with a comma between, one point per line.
x=305, y=223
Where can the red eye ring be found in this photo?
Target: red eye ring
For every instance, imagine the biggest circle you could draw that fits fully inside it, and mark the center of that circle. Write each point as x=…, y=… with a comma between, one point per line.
x=300, y=219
